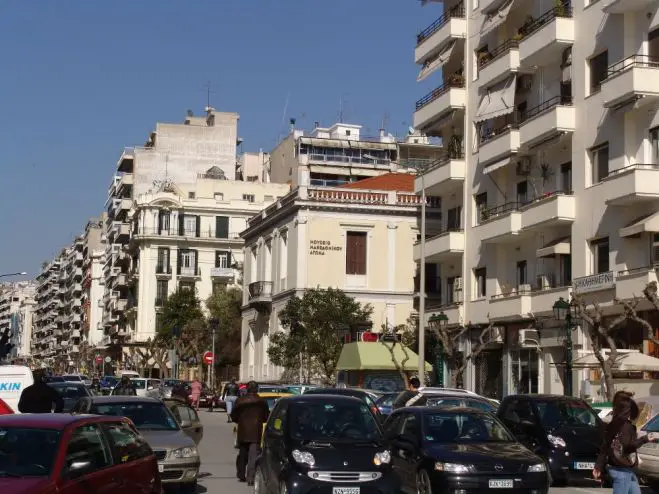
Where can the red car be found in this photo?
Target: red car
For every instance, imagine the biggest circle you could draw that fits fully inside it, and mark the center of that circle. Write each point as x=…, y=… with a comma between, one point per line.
x=74, y=454
x=4, y=408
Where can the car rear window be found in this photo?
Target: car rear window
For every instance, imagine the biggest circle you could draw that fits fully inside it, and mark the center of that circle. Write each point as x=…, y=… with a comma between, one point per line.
x=339, y=421
x=145, y=416
x=556, y=413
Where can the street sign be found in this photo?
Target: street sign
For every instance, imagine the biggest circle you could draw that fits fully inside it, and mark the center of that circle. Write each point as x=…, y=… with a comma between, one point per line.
x=108, y=359
x=99, y=359
x=208, y=358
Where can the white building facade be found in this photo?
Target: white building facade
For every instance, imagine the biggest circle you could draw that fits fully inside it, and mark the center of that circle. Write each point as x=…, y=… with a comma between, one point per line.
x=16, y=306
x=550, y=180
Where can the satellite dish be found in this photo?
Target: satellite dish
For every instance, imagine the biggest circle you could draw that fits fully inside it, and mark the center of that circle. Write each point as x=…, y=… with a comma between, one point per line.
x=411, y=130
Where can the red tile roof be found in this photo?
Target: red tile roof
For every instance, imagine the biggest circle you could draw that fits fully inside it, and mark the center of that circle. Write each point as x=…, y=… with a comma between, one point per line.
x=402, y=182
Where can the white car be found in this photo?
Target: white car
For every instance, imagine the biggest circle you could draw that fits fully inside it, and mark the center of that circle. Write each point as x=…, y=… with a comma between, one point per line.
x=146, y=387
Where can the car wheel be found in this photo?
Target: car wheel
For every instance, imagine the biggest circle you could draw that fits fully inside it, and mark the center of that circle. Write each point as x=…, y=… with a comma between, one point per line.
x=190, y=488
x=259, y=486
x=423, y=485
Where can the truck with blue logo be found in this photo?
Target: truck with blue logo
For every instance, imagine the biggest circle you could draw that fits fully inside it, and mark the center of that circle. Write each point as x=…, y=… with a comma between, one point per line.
x=13, y=380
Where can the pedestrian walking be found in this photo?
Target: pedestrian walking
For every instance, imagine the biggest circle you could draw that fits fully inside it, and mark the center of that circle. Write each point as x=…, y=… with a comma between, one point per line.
x=195, y=393
x=250, y=413
x=39, y=397
x=410, y=396
x=124, y=388
x=230, y=395
x=617, y=455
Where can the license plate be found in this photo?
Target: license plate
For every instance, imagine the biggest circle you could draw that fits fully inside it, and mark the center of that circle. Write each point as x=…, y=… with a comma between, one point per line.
x=345, y=490
x=583, y=465
x=161, y=467
x=501, y=484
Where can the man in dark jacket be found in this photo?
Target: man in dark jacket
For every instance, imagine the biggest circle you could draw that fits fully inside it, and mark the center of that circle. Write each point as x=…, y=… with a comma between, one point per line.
x=230, y=395
x=250, y=413
x=124, y=388
x=39, y=397
x=410, y=396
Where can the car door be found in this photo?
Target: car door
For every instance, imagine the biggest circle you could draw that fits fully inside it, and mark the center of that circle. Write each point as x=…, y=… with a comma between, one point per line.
x=88, y=463
x=189, y=421
x=391, y=432
x=274, y=457
x=133, y=457
x=406, y=449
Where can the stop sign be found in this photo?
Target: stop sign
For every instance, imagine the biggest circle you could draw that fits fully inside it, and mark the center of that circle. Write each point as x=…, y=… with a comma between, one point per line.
x=208, y=358
x=99, y=359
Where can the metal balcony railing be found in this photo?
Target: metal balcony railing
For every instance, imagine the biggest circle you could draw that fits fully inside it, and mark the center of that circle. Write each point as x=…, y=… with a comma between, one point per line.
x=633, y=61
x=485, y=57
x=452, y=81
x=528, y=28
x=543, y=107
x=456, y=12
x=260, y=289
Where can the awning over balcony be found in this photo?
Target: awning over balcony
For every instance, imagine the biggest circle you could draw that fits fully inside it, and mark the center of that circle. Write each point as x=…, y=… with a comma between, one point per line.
x=499, y=101
x=436, y=62
x=496, y=18
x=559, y=246
x=345, y=143
x=647, y=223
x=496, y=165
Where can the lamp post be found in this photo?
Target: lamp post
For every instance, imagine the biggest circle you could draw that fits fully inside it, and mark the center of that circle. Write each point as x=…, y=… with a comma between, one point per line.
x=438, y=322
x=568, y=312
x=422, y=285
x=22, y=273
x=215, y=323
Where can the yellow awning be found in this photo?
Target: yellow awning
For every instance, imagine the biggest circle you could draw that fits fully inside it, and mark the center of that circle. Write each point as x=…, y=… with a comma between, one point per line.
x=362, y=355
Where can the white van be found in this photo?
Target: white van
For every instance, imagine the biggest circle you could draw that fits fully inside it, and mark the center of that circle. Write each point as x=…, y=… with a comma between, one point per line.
x=128, y=373
x=13, y=380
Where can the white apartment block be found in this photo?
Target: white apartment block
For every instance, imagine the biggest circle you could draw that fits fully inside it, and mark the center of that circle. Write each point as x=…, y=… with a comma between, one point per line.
x=550, y=182
x=16, y=304
x=71, y=310
x=93, y=281
x=46, y=325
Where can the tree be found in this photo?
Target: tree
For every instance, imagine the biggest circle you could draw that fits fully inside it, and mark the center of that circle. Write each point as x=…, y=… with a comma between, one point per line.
x=181, y=308
x=601, y=333
x=403, y=335
x=151, y=354
x=314, y=324
x=225, y=306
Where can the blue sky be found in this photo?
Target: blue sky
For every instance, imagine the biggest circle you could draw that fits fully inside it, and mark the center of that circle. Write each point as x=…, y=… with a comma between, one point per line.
x=80, y=80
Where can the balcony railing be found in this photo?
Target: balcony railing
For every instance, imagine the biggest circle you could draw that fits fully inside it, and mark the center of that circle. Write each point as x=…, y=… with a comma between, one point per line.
x=163, y=269
x=453, y=81
x=320, y=182
x=511, y=123
x=210, y=233
x=353, y=196
x=458, y=12
x=502, y=209
x=181, y=271
x=528, y=28
x=543, y=107
x=485, y=57
x=634, y=61
x=260, y=289
x=628, y=168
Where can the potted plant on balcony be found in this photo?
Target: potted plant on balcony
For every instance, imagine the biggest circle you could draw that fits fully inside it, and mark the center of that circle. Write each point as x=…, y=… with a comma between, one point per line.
x=457, y=80
x=560, y=9
x=484, y=57
x=455, y=146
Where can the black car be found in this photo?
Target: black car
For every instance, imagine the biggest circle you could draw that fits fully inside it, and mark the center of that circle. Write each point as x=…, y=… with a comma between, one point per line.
x=361, y=394
x=460, y=450
x=70, y=392
x=565, y=431
x=323, y=443
x=447, y=400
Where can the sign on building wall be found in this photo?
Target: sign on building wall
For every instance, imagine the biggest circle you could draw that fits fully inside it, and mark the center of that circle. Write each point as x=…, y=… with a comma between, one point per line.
x=321, y=247
x=594, y=283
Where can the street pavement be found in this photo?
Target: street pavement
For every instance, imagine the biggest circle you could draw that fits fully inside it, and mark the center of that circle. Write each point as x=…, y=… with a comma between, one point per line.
x=218, y=461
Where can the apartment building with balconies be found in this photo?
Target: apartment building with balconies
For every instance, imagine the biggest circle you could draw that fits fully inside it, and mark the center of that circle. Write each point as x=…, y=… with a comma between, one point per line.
x=93, y=281
x=548, y=184
x=357, y=237
x=16, y=304
x=46, y=320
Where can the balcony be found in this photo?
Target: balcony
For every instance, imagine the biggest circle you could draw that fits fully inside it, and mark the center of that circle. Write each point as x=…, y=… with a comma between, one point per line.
x=632, y=80
x=630, y=185
x=498, y=64
x=631, y=283
x=499, y=223
x=552, y=209
x=124, y=183
x=202, y=235
x=184, y=272
x=441, y=247
x=223, y=273
x=512, y=306
x=441, y=176
x=552, y=117
x=435, y=107
x=452, y=25
x=454, y=312
x=545, y=38
x=500, y=143
x=260, y=295
x=544, y=298
x=120, y=280
x=622, y=6
x=120, y=231
x=163, y=270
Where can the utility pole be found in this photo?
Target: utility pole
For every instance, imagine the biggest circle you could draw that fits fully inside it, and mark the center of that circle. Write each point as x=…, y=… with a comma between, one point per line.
x=422, y=286
x=214, y=325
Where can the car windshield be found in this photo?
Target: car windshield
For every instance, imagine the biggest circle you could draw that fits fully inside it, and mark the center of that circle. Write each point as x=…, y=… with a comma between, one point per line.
x=323, y=422
x=145, y=416
x=446, y=427
x=139, y=383
x=560, y=413
x=72, y=378
x=18, y=455
x=70, y=391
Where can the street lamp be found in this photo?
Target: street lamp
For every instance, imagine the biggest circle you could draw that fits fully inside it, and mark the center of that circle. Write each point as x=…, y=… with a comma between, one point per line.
x=568, y=312
x=437, y=323
x=22, y=273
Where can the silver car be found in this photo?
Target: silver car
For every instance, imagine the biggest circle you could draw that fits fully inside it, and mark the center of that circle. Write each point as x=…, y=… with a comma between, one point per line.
x=172, y=434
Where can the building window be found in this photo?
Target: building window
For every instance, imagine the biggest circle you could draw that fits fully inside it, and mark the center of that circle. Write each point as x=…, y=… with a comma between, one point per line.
x=248, y=197
x=218, y=196
x=453, y=219
x=481, y=206
x=162, y=287
x=187, y=262
x=566, y=178
x=283, y=261
x=600, y=250
x=481, y=281
x=159, y=318
x=221, y=227
x=163, y=222
x=347, y=132
x=599, y=159
x=655, y=248
x=163, y=264
x=522, y=275
x=222, y=259
x=356, y=253
x=653, y=46
x=654, y=145
x=186, y=285
x=599, y=65
x=190, y=225
x=522, y=192
x=191, y=195
x=433, y=280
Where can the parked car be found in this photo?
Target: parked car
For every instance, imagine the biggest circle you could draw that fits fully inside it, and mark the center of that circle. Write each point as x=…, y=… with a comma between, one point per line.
x=146, y=387
x=177, y=454
x=565, y=431
x=54, y=379
x=69, y=454
x=77, y=378
x=71, y=393
x=446, y=400
x=324, y=443
x=299, y=389
x=460, y=449
x=166, y=387
x=363, y=395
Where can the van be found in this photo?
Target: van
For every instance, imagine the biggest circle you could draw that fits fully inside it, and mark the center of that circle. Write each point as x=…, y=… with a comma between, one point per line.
x=13, y=380
x=128, y=373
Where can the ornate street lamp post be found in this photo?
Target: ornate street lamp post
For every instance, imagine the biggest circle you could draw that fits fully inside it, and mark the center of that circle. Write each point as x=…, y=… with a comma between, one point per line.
x=437, y=323
x=568, y=312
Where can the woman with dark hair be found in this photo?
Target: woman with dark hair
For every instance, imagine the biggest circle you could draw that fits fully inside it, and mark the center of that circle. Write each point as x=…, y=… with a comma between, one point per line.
x=617, y=453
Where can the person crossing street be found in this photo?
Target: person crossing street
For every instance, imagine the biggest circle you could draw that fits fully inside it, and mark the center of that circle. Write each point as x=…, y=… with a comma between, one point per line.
x=230, y=395
x=39, y=397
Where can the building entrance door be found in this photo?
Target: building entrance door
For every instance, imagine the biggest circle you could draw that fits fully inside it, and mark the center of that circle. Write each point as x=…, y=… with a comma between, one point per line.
x=525, y=368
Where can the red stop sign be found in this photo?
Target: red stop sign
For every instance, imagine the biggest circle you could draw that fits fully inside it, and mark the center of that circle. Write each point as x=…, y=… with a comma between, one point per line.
x=208, y=358
x=99, y=359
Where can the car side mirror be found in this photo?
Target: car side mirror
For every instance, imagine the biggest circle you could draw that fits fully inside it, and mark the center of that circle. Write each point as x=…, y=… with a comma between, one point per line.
x=527, y=424
x=150, y=388
x=186, y=424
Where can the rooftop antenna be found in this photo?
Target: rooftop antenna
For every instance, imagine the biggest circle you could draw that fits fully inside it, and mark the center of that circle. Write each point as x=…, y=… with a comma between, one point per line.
x=385, y=122
x=209, y=89
x=283, y=117
x=341, y=109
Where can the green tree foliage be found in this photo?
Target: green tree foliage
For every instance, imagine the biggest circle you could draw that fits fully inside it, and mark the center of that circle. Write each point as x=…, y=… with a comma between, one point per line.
x=314, y=325
x=224, y=305
x=181, y=308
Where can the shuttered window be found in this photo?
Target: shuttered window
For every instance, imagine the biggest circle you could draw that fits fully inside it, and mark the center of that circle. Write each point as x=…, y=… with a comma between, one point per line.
x=222, y=259
x=221, y=227
x=356, y=253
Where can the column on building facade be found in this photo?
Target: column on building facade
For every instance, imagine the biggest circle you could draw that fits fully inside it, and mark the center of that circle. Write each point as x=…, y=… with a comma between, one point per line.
x=302, y=260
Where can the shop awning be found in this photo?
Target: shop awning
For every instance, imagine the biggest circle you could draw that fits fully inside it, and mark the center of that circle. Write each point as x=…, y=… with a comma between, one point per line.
x=625, y=362
x=487, y=169
x=646, y=223
x=362, y=355
x=499, y=101
x=496, y=18
x=559, y=246
x=437, y=62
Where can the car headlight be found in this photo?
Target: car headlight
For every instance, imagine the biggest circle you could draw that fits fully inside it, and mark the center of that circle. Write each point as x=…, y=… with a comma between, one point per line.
x=556, y=441
x=303, y=457
x=185, y=452
x=452, y=467
x=540, y=467
x=382, y=458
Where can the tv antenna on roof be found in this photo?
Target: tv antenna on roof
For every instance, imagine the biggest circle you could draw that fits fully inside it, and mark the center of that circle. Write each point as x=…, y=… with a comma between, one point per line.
x=209, y=89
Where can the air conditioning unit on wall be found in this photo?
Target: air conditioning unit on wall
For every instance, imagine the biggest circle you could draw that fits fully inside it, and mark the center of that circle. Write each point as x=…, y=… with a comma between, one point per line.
x=529, y=338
